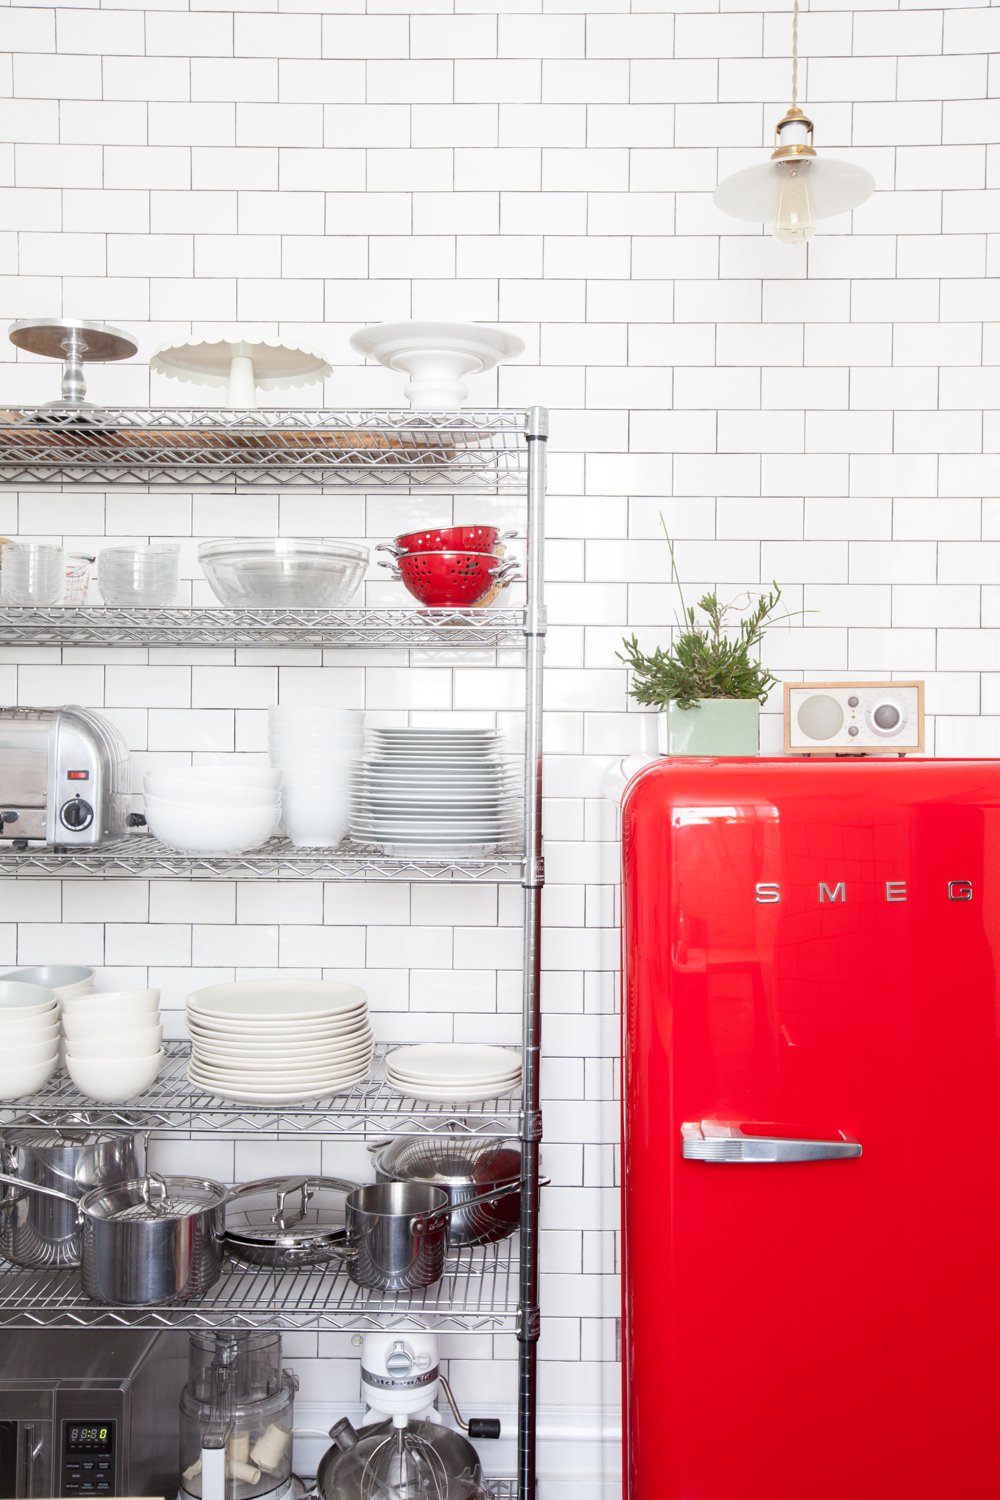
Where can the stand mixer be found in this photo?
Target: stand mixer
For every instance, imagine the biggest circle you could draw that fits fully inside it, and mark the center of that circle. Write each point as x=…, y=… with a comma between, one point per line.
x=401, y=1379
x=237, y=1418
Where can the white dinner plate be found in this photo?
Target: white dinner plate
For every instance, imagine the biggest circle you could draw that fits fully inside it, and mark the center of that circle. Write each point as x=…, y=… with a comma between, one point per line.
x=329, y=1047
x=319, y=1083
x=282, y=1096
x=277, y=1000
x=293, y=1029
x=214, y=1062
x=474, y=1095
x=454, y=1059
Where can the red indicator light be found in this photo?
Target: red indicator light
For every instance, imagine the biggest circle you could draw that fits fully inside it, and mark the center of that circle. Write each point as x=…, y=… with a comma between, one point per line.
x=77, y=775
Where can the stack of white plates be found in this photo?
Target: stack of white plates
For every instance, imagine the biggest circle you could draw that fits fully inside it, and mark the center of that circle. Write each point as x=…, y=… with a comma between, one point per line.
x=435, y=791
x=279, y=1040
x=453, y=1072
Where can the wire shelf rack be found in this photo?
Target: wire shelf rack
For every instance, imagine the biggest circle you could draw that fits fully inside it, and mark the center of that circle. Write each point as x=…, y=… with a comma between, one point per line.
x=218, y=448
x=259, y=627
x=371, y=1108
x=503, y=1489
x=140, y=856
x=478, y=1291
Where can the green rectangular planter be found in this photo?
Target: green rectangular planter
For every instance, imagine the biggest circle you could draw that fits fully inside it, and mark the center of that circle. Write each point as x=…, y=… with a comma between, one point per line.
x=715, y=726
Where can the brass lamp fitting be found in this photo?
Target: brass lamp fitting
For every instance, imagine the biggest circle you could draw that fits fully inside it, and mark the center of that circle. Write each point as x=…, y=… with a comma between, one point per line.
x=793, y=116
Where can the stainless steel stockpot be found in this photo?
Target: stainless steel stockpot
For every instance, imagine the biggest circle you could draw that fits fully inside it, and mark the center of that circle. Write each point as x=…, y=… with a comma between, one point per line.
x=151, y=1239
x=37, y=1231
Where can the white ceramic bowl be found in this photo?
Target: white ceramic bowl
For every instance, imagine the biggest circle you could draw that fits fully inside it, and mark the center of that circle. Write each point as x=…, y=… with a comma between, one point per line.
x=167, y=788
x=27, y=1033
x=75, y=1026
x=313, y=713
x=112, y=1080
x=143, y=1042
x=17, y=1027
x=25, y=1078
x=145, y=999
x=120, y=1003
x=312, y=823
x=25, y=1000
x=20, y=1054
x=227, y=775
x=210, y=830
x=63, y=979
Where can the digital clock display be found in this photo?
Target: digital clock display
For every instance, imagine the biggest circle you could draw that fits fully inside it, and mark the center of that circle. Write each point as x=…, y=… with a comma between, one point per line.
x=93, y=1437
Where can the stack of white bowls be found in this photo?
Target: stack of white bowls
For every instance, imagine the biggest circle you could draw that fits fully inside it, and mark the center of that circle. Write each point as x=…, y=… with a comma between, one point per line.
x=213, y=809
x=66, y=981
x=29, y=1038
x=315, y=749
x=113, y=1042
x=274, y=1041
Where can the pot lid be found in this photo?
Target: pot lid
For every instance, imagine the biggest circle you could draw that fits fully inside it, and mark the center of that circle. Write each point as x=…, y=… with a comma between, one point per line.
x=153, y=1199
x=289, y=1213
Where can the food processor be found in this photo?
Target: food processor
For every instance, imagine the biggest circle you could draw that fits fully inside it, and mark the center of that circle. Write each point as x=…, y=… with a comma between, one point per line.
x=237, y=1418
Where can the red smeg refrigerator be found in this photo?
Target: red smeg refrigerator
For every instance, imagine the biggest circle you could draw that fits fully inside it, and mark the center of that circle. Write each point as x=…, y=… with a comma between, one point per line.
x=811, y=1131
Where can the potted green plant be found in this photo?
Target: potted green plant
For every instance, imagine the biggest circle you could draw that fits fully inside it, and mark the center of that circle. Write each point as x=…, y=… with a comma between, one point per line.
x=709, y=683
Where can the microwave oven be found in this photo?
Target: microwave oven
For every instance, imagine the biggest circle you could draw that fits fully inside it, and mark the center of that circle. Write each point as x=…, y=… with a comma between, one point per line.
x=90, y=1412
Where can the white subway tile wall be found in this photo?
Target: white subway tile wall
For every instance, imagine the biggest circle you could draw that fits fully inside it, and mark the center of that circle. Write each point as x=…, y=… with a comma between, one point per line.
x=824, y=416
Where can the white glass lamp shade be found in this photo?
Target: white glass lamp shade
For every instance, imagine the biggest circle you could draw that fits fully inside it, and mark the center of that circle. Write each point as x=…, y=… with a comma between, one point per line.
x=835, y=187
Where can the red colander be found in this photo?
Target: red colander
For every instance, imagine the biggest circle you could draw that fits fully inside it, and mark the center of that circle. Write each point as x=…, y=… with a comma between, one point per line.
x=452, y=538
x=451, y=579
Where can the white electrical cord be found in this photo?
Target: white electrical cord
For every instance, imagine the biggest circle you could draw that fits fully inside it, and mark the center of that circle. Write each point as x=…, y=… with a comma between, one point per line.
x=795, y=53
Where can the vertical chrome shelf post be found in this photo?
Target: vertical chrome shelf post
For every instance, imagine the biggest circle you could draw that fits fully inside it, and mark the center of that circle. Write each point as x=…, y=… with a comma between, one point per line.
x=536, y=435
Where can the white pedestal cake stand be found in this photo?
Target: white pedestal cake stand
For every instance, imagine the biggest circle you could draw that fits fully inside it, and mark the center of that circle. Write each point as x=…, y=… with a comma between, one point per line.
x=437, y=357
x=243, y=366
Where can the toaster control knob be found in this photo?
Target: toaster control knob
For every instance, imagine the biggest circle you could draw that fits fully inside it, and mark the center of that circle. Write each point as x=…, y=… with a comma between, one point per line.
x=76, y=814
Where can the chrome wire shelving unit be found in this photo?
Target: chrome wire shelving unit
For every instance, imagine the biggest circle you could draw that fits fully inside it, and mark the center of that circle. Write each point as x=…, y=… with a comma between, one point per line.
x=477, y=453
x=478, y=1292
x=214, y=448
x=370, y=1108
x=139, y=856
x=402, y=628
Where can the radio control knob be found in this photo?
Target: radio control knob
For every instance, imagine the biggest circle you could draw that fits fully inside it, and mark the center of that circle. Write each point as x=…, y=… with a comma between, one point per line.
x=76, y=814
x=887, y=716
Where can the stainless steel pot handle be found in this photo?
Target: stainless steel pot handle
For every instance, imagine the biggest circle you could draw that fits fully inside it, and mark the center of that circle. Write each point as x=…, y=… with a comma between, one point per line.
x=162, y=1204
x=304, y=1185
x=389, y=547
x=729, y=1141
x=35, y=1187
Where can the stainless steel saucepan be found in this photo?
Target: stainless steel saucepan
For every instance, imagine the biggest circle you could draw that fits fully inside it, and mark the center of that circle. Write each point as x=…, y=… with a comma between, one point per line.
x=397, y=1233
x=467, y=1169
x=150, y=1239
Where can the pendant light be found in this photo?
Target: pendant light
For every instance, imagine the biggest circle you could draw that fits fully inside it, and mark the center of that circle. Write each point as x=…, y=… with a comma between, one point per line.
x=796, y=187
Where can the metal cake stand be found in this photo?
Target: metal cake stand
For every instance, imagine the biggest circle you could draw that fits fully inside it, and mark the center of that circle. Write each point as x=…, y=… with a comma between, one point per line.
x=76, y=343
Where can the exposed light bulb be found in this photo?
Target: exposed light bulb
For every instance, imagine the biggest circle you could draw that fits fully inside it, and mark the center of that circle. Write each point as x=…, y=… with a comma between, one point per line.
x=794, y=205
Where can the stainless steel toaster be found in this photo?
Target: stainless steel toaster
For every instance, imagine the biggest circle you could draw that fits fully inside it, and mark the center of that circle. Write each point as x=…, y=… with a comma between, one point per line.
x=63, y=777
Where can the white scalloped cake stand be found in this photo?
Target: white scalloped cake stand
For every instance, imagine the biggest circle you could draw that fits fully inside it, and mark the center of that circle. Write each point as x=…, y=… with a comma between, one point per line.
x=437, y=357
x=244, y=366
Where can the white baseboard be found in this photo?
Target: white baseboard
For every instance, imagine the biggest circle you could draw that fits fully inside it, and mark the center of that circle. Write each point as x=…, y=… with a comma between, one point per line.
x=579, y=1450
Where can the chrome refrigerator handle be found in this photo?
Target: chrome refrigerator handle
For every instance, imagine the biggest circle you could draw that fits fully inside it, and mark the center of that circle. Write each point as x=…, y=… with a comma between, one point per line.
x=727, y=1141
